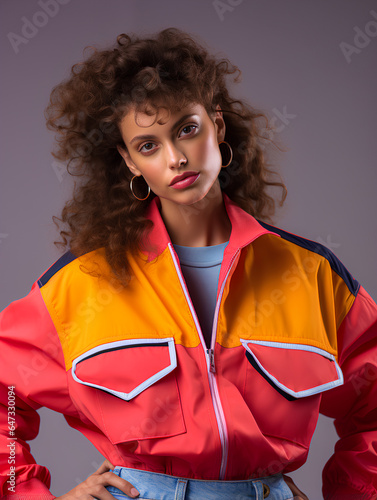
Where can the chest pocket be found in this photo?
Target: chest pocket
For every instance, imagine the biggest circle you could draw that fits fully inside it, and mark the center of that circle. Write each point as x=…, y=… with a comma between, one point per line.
x=294, y=370
x=130, y=388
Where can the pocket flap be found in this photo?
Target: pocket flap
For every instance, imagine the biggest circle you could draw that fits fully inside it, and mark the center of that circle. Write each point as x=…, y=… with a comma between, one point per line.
x=138, y=363
x=296, y=370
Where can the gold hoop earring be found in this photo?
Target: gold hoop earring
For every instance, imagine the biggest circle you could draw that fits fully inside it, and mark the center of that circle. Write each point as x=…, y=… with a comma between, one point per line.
x=230, y=154
x=141, y=199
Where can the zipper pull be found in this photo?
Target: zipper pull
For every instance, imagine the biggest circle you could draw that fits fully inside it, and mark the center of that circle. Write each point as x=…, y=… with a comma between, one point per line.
x=211, y=355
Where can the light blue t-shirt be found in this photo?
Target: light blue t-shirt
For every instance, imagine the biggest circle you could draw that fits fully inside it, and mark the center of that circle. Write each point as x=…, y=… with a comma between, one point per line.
x=201, y=269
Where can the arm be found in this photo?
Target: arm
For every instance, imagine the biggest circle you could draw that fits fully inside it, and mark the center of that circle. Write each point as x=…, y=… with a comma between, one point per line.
x=32, y=374
x=351, y=472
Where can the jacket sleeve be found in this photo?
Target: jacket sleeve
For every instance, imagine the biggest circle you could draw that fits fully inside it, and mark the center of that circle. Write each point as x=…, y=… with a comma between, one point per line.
x=32, y=375
x=351, y=472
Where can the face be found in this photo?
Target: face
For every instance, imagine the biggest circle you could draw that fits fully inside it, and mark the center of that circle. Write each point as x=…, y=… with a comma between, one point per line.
x=178, y=143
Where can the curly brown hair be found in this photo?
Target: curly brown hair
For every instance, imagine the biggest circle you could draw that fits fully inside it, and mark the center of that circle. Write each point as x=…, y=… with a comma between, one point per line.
x=85, y=110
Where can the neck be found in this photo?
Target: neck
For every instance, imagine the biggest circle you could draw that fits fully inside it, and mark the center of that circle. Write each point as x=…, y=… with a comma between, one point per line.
x=204, y=223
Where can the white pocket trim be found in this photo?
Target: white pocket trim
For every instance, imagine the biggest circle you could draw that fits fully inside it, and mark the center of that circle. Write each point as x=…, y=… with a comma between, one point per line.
x=299, y=347
x=127, y=396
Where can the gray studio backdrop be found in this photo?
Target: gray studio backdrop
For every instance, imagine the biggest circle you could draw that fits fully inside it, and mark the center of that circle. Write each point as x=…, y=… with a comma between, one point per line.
x=311, y=65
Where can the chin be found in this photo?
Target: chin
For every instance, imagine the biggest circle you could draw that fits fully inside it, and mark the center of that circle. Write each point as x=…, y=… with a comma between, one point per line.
x=196, y=195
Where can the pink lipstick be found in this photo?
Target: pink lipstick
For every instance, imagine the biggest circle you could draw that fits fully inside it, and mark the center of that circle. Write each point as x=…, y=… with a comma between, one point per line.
x=184, y=180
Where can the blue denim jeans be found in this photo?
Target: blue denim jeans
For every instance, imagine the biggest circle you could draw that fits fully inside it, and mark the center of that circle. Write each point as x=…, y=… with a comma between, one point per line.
x=155, y=486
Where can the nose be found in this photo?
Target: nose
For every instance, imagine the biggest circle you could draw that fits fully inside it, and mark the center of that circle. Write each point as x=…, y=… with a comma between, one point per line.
x=174, y=156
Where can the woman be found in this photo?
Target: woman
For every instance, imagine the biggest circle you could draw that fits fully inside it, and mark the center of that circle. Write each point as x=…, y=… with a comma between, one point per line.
x=191, y=343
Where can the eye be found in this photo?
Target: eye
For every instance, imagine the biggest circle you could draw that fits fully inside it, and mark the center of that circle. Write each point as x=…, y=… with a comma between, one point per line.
x=146, y=147
x=189, y=130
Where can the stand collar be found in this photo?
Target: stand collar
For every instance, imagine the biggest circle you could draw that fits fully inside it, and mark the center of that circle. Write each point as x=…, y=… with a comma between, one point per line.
x=245, y=229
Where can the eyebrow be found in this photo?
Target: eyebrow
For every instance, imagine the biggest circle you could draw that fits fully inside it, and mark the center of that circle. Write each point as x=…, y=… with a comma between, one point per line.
x=176, y=124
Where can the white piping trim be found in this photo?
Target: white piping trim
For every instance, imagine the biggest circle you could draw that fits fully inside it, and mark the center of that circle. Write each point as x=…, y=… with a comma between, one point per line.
x=298, y=347
x=223, y=429
x=127, y=396
x=217, y=308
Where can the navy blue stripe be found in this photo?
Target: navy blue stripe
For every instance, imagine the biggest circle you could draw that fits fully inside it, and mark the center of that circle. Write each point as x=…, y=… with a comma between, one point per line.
x=320, y=249
x=104, y=350
x=59, y=264
x=271, y=382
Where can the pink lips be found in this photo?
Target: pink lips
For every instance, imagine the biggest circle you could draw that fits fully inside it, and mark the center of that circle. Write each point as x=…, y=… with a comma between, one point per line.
x=181, y=181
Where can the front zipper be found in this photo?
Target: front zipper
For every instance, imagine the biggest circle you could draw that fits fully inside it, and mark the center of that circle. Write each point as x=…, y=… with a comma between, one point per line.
x=212, y=372
x=210, y=358
x=211, y=355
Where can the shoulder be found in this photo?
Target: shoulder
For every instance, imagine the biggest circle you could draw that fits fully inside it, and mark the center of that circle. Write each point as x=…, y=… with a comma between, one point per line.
x=57, y=266
x=70, y=266
x=302, y=246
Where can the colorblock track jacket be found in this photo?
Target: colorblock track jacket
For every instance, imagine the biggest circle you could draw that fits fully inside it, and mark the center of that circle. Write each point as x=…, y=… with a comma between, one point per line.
x=293, y=335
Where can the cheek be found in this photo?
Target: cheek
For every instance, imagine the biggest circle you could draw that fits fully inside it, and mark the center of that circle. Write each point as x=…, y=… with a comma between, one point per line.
x=208, y=153
x=151, y=171
x=153, y=180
